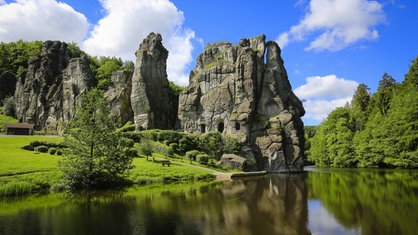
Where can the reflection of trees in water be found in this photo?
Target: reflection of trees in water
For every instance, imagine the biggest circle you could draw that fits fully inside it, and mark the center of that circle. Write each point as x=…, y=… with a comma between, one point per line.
x=378, y=201
x=275, y=204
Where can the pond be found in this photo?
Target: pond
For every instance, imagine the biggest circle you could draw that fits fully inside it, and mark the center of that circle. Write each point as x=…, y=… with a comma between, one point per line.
x=318, y=201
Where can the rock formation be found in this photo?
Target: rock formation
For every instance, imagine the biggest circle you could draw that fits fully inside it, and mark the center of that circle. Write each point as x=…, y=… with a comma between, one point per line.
x=119, y=95
x=51, y=87
x=232, y=90
x=150, y=88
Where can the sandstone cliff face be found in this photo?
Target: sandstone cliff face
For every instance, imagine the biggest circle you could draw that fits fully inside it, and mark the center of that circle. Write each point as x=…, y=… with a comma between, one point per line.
x=150, y=88
x=51, y=87
x=232, y=90
x=119, y=95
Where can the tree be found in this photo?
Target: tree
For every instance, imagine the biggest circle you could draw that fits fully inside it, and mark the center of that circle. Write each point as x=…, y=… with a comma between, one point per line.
x=146, y=148
x=384, y=93
x=94, y=156
x=360, y=105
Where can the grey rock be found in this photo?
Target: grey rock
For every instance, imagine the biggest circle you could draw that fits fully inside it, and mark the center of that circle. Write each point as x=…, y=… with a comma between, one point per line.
x=119, y=95
x=232, y=161
x=150, y=101
x=243, y=91
x=50, y=89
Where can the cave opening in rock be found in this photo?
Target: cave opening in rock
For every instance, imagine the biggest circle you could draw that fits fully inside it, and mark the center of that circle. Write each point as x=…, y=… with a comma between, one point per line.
x=221, y=127
x=202, y=128
x=237, y=126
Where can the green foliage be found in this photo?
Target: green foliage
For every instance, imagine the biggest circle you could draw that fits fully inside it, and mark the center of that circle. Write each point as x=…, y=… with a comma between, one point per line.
x=191, y=155
x=42, y=149
x=75, y=51
x=52, y=151
x=95, y=157
x=9, y=107
x=6, y=119
x=129, y=126
x=379, y=133
x=146, y=148
x=202, y=158
x=103, y=67
x=16, y=54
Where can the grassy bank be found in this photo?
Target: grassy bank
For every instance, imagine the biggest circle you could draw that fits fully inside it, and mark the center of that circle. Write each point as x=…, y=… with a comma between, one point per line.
x=23, y=172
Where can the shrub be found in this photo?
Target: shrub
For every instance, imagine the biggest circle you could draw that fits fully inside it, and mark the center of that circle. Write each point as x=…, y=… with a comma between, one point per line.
x=135, y=136
x=174, y=147
x=59, y=152
x=42, y=149
x=37, y=143
x=202, y=158
x=191, y=155
x=28, y=147
x=128, y=127
x=52, y=151
x=126, y=142
x=131, y=152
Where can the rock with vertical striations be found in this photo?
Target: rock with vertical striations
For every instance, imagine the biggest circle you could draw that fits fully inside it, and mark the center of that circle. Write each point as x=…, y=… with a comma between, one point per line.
x=150, y=88
x=49, y=90
x=119, y=95
x=243, y=91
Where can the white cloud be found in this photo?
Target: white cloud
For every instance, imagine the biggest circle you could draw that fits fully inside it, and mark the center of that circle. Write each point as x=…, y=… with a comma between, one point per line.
x=329, y=86
x=339, y=23
x=31, y=20
x=321, y=95
x=128, y=22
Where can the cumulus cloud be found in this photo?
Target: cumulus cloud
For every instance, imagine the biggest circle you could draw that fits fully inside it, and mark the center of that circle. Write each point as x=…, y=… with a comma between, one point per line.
x=41, y=20
x=323, y=94
x=126, y=23
x=339, y=23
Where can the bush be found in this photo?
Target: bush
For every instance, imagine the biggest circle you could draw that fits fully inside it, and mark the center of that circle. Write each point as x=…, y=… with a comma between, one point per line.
x=126, y=142
x=131, y=152
x=37, y=143
x=52, y=151
x=174, y=147
x=202, y=158
x=42, y=149
x=191, y=155
x=128, y=127
x=28, y=147
x=59, y=152
x=135, y=136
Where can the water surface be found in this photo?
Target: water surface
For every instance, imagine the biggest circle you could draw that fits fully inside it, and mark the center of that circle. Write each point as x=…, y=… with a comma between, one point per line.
x=316, y=202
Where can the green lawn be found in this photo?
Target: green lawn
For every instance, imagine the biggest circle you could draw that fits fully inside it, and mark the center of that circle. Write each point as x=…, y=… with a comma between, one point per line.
x=23, y=171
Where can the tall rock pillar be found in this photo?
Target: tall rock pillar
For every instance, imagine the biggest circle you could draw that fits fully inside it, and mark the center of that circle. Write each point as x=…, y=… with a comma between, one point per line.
x=150, y=88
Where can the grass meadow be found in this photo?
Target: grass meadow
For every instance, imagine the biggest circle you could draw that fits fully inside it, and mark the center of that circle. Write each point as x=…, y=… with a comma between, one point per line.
x=23, y=171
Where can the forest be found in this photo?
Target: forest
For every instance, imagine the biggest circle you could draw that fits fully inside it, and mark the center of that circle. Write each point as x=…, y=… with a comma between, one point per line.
x=374, y=130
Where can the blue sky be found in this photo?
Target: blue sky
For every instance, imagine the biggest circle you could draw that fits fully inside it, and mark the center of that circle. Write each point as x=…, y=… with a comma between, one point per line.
x=329, y=46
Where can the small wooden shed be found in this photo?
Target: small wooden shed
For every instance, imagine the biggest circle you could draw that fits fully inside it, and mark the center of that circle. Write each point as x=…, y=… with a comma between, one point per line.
x=19, y=129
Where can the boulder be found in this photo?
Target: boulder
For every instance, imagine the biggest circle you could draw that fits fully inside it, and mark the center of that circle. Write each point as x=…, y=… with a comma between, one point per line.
x=243, y=91
x=232, y=161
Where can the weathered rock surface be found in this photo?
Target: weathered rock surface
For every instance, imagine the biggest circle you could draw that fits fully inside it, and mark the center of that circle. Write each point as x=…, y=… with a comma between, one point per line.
x=119, y=95
x=232, y=90
x=150, y=88
x=232, y=161
x=51, y=88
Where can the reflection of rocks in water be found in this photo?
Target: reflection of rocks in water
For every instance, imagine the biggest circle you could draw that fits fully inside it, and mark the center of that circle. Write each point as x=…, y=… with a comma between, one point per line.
x=275, y=204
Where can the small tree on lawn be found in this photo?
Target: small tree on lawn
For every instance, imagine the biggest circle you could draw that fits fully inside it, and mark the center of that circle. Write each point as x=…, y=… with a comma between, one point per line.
x=94, y=156
x=145, y=147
